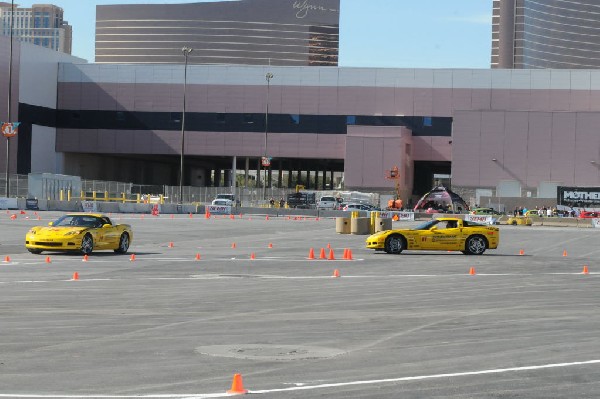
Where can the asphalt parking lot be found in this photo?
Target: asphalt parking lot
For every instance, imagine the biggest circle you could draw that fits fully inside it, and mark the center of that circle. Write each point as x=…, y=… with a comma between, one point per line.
x=415, y=325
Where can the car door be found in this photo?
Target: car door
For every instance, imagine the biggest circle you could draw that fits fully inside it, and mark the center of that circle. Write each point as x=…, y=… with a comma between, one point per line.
x=112, y=234
x=446, y=236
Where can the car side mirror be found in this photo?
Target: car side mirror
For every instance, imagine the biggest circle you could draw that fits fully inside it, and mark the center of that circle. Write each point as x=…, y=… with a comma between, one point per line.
x=433, y=228
x=51, y=224
x=104, y=226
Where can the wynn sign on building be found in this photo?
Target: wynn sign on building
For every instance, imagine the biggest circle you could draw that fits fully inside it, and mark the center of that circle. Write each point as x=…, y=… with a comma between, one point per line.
x=249, y=32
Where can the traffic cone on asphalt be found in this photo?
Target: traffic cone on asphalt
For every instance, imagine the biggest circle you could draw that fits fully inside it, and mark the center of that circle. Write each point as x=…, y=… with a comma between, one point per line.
x=237, y=386
x=270, y=245
x=322, y=254
x=331, y=255
x=311, y=253
x=85, y=258
x=7, y=259
x=521, y=252
x=585, y=270
x=349, y=256
x=565, y=253
x=171, y=245
x=472, y=271
x=48, y=259
x=132, y=258
x=233, y=246
x=252, y=256
x=197, y=257
x=336, y=273
x=75, y=276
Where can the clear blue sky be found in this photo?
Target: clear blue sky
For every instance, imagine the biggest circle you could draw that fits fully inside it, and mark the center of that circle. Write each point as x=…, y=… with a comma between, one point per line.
x=373, y=33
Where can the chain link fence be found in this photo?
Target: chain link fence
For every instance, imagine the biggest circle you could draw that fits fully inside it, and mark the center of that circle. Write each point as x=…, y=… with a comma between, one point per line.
x=17, y=186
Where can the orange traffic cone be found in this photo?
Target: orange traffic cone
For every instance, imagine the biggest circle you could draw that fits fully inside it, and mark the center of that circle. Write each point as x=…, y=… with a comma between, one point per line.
x=311, y=253
x=191, y=215
x=336, y=273
x=197, y=256
x=322, y=254
x=237, y=386
x=328, y=246
x=233, y=246
x=472, y=271
x=267, y=217
x=521, y=252
x=585, y=270
x=132, y=258
x=75, y=276
x=270, y=245
x=252, y=256
x=565, y=252
x=331, y=255
x=7, y=259
x=85, y=258
x=349, y=256
x=345, y=256
x=48, y=259
x=171, y=245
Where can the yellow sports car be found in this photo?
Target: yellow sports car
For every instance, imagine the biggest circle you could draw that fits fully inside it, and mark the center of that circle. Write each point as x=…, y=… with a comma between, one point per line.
x=443, y=234
x=524, y=220
x=82, y=232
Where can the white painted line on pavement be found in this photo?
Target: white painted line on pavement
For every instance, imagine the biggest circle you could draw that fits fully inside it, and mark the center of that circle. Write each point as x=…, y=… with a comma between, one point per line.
x=322, y=386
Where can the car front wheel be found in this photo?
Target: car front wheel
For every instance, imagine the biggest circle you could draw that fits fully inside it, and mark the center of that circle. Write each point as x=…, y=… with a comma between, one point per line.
x=475, y=245
x=87, y=244
x=394, y=244
x=35, y=251
x=123, y=244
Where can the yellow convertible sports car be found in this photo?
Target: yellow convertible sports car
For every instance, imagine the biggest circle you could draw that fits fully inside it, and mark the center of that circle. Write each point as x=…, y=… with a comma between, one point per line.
x=82, y=232
x=443, y=234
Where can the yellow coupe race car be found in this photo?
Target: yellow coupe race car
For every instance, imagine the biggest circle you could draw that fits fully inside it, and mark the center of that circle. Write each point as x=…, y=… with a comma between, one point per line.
x=443, y=234
x=81, y=232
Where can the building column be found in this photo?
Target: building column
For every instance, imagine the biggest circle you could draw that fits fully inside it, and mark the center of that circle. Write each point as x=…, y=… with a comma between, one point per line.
x=246, y=170
x=217, y=178
x=280, y=175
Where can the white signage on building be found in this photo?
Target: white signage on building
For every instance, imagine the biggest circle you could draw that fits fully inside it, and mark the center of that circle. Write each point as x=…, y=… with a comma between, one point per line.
x=89, y=206
x=483, y=219
x=219, y=209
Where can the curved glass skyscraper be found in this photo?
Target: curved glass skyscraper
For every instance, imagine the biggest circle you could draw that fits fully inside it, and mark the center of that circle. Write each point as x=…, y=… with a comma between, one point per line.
x=546, y=34
x=250, y=32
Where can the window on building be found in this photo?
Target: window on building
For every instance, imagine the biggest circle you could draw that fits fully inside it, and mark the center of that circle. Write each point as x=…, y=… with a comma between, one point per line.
x=221, y=118
x=295, y=119
x=176, y=117
x=351, y=120
x=248, y=118
x=427, y=121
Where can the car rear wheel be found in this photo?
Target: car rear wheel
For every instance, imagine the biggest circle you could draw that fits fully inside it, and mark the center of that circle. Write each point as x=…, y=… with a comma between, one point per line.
x=35, y=251
x=475, y=245
x=394, y=244
x=123, y=244
x=87, y=244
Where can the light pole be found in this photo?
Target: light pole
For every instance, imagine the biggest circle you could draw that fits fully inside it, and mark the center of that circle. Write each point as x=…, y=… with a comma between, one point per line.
x=10, y=62
x=268, y=76
x=186, y=51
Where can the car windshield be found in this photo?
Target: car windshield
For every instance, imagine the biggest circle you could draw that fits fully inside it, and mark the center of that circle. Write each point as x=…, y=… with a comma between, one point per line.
x=80, y=221
x=427, y=225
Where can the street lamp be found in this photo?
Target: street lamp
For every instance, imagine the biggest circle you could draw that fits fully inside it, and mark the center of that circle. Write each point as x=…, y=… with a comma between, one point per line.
x=266, y=161
x=10, y=62
x=186, y=51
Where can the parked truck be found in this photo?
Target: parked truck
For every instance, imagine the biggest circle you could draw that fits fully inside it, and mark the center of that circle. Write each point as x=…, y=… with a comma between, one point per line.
x=302, y=200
